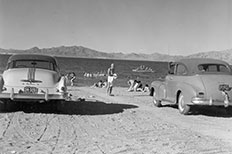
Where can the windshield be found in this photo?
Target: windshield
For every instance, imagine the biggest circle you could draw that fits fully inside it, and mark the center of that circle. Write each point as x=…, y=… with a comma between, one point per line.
x=214, y=68
x=32, y=64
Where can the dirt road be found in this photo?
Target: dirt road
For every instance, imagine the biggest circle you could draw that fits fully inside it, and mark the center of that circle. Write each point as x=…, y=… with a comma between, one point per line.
x=125, y=123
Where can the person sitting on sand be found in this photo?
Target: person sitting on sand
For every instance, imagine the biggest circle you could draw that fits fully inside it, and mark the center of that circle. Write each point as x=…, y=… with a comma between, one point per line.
x=104, y=84
x=146, y=88
x=138, y=85
x=98, y=84
x=131, y=84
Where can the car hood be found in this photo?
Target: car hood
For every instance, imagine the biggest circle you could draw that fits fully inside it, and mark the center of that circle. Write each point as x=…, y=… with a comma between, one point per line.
x=212, y=83
x=30, y=76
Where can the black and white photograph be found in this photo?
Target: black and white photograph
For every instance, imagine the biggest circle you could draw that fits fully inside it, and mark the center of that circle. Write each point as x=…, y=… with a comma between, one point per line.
x=115, y=76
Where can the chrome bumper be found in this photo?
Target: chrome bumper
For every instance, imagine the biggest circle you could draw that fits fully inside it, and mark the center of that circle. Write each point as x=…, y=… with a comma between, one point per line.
x=210, y=102
x=45, y=96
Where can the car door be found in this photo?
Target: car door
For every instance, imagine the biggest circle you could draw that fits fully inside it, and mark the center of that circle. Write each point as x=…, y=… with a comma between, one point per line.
x=175, y=79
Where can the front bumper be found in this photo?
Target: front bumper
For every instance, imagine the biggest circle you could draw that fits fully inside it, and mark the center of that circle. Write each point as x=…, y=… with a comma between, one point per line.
x=210, y=102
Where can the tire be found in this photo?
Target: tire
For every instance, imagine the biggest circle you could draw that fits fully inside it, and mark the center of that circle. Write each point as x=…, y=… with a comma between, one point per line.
x=152, y=91
x=156, y=102
x=182, y=106
x=2, y=106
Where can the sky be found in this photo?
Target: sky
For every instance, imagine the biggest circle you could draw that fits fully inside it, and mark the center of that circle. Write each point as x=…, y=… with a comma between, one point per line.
x=175, y=27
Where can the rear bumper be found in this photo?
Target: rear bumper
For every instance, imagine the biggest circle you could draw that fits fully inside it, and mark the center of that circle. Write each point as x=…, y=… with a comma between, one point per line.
x=32, y=97
x=210, y=102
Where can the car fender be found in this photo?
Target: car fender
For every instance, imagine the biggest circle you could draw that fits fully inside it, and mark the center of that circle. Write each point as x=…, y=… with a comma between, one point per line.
x=188, y=91
x=62, y=84
x=159, y=88
x=1, y=83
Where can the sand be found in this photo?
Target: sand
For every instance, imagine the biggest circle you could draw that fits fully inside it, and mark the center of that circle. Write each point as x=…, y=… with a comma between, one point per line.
x=126, y=123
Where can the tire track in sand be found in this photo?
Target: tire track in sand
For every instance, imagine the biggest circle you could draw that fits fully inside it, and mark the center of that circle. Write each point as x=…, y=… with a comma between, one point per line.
x=45, y=128
x=14, y=128
x=21, y=133
x=57, y=138
x=8, y=123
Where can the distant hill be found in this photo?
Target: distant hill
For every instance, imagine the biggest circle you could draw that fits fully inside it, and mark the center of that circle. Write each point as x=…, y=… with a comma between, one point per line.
x=225, y=55
x=83, y=52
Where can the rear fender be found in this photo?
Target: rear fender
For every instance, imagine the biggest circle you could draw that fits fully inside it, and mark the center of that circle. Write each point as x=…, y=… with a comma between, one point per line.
x=188, y=91
x=62, y=84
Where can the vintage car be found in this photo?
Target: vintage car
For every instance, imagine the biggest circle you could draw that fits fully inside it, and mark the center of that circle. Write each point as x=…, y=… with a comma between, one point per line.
x=33, y=78
x=196, y=81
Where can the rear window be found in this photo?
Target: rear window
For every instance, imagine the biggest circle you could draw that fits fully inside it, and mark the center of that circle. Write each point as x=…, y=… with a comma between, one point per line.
x=214, y=68
x=32, y=64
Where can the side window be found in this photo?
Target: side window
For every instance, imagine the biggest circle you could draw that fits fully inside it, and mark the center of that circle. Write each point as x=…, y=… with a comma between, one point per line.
x=181, y=70
x=211, y=68
x=223, y=68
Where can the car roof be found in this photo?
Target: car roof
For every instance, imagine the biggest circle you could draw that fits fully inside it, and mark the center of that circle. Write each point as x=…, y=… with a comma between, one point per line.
x=192, y=63
x=195, y=61
x=32, y=57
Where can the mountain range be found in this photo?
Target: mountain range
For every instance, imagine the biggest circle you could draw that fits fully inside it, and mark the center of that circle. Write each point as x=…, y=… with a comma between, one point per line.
x=83, y=52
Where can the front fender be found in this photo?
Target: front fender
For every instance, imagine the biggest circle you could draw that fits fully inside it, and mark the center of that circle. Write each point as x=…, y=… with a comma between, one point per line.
x=1, y=83
x=188, y=91
x=159, y=89
x=157, y=82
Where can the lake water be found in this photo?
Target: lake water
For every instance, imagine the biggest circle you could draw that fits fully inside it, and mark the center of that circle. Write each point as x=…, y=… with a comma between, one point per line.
x=123, y=69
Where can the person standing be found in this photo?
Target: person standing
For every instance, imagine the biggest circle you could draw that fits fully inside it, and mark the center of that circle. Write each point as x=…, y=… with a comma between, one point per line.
x=110, y=77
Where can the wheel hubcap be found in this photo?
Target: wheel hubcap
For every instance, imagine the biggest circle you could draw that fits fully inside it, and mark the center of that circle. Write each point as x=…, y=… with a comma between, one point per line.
x=181, y=103
x=154, y=100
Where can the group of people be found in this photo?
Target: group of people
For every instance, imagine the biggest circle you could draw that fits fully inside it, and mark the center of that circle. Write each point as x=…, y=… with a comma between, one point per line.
x=136, y=85
x=111, y=76
x=100, y=84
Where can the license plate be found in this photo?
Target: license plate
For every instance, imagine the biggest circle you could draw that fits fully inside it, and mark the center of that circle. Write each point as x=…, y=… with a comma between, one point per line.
x=30, y=90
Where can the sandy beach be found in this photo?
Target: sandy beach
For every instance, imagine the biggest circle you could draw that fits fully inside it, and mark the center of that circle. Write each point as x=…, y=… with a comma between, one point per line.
x=124, y=123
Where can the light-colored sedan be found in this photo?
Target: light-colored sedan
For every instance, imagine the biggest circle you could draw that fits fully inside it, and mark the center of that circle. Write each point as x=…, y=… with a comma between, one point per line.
x=192, y=82
x=31, y=77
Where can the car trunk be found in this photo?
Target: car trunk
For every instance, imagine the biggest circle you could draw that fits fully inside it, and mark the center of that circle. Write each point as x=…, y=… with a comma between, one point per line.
x=30, y=76
x=212, y=83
